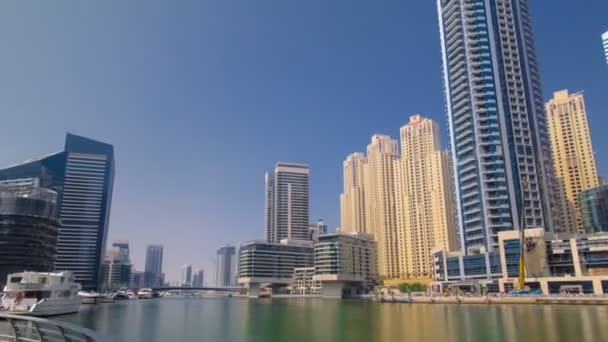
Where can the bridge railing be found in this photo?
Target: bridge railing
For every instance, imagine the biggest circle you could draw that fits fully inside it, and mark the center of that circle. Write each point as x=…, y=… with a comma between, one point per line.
x=18, y=328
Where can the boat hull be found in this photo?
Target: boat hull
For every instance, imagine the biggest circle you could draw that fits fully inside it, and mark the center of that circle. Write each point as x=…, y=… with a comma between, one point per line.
x=49, y=308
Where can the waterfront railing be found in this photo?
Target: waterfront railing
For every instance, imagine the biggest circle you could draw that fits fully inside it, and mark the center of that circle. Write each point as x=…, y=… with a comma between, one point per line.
x=18, y=328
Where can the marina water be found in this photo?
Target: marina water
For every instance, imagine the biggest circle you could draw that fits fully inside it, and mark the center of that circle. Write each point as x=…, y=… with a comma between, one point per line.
x=313, y=319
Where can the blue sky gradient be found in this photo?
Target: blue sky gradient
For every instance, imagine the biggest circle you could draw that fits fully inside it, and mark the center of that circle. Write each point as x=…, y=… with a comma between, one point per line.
x=200, y=98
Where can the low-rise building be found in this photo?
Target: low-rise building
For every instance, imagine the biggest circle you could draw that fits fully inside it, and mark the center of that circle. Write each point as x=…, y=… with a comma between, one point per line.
x=304, y=283
x=346, y=264
x=265, y=264
x=554, y=264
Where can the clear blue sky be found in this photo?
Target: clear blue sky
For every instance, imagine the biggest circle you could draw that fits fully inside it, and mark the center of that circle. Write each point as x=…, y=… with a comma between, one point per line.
x=201, y=97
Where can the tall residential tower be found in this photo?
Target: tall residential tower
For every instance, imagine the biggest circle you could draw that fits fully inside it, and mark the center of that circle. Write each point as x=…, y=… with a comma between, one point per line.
x=572, y=152
x=380, y=202
x=424, y=198
x=225, y=275
x=287, y=201
x=352, y=199
x=498, y=130
x=154, y=266
x=605, y=42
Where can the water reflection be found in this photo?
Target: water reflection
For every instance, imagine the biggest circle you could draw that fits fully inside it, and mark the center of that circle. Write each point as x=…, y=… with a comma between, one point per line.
x=292, y=320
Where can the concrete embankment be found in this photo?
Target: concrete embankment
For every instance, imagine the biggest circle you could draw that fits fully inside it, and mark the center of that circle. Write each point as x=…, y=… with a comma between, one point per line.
x=495, y=300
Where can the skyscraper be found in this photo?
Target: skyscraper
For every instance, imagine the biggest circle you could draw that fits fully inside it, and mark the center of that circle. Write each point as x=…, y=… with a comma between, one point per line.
x=83, y=176
x=116, y=269
x=572, y=152
x=198, y=278
x=424, y=198
x=185, y=278
x=154, y=265
x=225, y=275
x=500, y=145
x=29, y=227
x=605, y=42
x=123, y=247
x=352, y=199
x=380, y=202
x=287, y=202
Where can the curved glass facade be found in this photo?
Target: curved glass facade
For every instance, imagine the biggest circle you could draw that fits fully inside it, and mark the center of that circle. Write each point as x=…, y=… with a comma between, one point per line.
x=28, y=230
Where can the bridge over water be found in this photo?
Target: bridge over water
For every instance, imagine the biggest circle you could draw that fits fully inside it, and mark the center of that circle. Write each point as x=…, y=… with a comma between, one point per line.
x=204, y=288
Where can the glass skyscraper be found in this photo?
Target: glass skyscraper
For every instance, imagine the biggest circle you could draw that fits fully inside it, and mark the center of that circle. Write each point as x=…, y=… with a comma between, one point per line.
x=226, y=267
x=83, y=176
x=594, y=209
x=287, y=201
x=499, y=141
x=154, y=266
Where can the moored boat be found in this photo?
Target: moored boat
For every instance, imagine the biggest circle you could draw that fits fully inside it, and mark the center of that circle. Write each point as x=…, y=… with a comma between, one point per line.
x=41, y=294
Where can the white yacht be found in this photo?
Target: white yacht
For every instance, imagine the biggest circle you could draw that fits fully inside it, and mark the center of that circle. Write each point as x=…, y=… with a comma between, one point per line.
x=41, y=294
x=144, y=293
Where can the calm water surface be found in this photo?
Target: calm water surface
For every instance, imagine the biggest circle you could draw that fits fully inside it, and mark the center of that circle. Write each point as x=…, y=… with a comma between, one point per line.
x=292, y=320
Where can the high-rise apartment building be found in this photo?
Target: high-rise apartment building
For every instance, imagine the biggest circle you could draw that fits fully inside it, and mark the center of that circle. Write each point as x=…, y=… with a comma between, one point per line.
x=225, y=275
x=123, y=247
x=605, y=42
x=572, y=153
x=352, y=199
x=424, y=198
x=287, y=202
x=83, y=176
x=116, y=269
x=185, y=278
x=499, y=139
x=198, y=278
x=153, y=271
x=380, y=202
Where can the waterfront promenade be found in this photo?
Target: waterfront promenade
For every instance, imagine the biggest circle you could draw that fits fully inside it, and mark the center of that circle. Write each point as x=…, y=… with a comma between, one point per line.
x=553, y=300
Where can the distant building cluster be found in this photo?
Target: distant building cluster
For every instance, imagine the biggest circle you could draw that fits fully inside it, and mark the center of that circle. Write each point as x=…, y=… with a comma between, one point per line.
x=302, y=258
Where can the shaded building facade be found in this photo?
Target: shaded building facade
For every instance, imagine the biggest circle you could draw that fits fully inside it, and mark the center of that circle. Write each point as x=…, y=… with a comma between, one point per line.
x=28, y=229
x=83, y=177
x=594, y=209
x=226, y=267
x=153, y=271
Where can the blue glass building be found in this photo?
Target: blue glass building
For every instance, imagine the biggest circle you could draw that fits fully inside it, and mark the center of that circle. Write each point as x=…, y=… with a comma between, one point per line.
x=498, y=132
x=83, y=177
x=594, y=209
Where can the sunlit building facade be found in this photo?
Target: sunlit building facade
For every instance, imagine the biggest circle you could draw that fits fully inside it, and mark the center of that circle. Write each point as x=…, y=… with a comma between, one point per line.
x=287, y=202
x=380, y=218
x=352, y=199
x=424, y=198
x=605, y=43
x=572, y=154
x=499, y=140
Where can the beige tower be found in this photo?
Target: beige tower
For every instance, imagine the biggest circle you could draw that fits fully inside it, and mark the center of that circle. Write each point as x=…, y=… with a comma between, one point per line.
x=380, y=202
x=572, y=154
x=352, y=200
x=424, y=198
